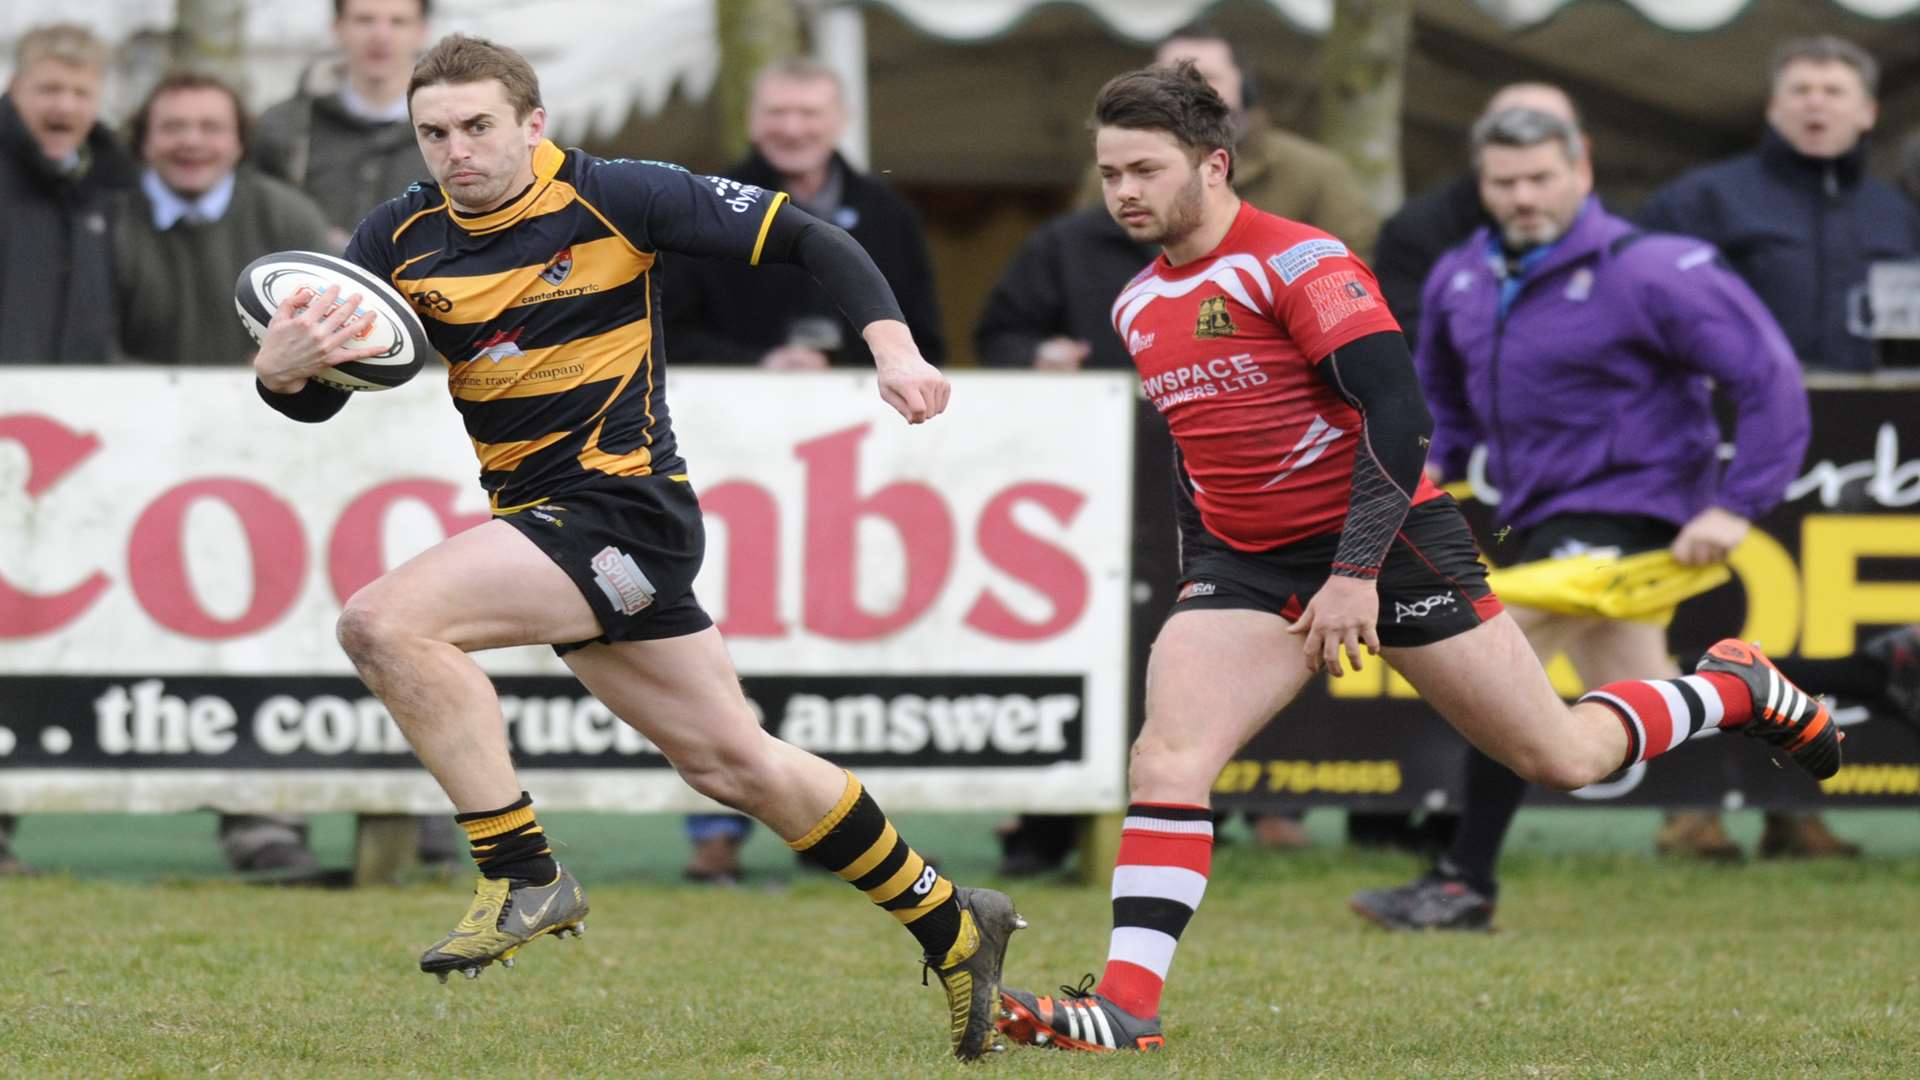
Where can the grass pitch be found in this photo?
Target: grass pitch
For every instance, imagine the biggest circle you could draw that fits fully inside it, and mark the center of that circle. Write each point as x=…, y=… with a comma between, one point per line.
x=1608, y=963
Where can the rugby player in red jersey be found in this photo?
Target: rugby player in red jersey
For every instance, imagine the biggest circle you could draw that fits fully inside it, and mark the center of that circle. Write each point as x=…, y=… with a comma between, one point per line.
x=1310, y=535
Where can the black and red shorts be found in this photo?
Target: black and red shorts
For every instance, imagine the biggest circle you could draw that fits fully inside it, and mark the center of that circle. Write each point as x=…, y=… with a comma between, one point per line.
x=1432, y=585
x=632, y=545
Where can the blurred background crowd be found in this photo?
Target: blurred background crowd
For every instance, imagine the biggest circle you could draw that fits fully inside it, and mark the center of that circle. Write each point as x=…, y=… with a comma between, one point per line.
x=148, y=151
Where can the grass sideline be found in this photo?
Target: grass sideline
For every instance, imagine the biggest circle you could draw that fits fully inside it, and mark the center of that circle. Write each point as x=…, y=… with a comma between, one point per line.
x=1609, y=963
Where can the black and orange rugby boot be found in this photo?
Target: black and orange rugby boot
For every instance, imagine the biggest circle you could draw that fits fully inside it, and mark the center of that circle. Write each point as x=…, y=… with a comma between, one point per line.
x=1783, y=714
x=1080, y=1019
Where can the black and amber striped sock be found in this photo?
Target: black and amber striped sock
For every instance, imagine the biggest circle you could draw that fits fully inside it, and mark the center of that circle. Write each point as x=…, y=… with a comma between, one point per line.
x=856, y=841
x=509, y=843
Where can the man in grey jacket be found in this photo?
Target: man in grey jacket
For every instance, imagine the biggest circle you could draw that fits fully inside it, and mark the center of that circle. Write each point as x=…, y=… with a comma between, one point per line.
x=343, y=138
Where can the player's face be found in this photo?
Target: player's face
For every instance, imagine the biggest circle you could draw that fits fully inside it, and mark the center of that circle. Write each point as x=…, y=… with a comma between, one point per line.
x=1821, y=107
x=476, y=149
x=193, y=139
x=381, y=36
x=795, y=123
x=1152, y=186
x=1533, y=192
x=58, y=102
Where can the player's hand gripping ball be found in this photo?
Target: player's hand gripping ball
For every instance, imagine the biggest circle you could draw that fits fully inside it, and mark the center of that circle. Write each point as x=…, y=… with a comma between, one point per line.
x=393, y=328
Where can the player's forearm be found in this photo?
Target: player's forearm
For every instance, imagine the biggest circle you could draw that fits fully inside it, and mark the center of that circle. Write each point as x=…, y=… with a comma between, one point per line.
x=1376, y=376
x=837, y=261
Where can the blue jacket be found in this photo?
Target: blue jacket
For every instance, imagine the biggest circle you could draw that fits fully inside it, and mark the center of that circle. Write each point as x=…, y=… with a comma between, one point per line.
x=1592, y=391
x=1802, y=231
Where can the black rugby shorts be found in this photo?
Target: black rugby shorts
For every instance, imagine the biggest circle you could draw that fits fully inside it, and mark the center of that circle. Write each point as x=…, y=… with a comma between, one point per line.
x=632, y=545
x=1432, y=585
x=1566, y=535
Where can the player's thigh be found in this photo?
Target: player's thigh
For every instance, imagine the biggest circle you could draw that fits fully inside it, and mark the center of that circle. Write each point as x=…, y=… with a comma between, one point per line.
x=1216, y=677
x=487, y=587
x=1490, y=686
x=1610, y=650
x=682, y=693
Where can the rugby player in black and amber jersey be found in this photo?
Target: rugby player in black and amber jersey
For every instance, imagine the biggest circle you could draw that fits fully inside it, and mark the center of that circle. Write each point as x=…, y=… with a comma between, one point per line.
x=531, y=267
x=1309, y=530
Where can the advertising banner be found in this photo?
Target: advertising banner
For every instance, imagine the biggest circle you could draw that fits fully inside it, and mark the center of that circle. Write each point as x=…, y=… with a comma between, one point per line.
x=943, y=606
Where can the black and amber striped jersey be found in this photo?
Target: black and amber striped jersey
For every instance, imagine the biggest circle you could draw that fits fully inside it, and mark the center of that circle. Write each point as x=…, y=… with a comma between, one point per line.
x=543, y=308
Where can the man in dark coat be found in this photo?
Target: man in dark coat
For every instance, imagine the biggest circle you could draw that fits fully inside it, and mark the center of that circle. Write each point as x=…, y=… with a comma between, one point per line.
x=1799, y=218
x=796, y=118
x=59, y=167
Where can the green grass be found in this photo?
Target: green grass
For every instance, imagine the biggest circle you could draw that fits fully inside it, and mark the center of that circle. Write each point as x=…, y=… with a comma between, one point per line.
x=1609, y=963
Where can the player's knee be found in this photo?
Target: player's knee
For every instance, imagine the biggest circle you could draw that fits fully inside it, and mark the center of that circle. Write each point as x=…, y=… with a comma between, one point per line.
x=1160, y=769
x=1560, y=772
x=365, y=629
x=727, y=773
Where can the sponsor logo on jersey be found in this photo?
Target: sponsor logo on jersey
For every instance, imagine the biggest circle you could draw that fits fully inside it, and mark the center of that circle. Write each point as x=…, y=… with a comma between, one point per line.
x=1196, y=588
x=620, y=578
x=558, y=267
x=1138, y=343
x=1338, y=296
x=1214, y=322
x=499, y=346
x=1419, y=609
x=1302, y=257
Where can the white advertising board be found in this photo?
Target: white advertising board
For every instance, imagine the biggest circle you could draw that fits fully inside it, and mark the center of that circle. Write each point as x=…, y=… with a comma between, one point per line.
x=942, y=607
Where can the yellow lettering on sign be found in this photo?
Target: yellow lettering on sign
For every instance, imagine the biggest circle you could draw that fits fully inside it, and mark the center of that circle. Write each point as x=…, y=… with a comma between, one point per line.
x=1831, y=547
x=1772, y=584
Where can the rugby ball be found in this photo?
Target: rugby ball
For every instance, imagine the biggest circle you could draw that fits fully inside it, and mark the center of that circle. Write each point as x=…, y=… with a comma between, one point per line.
x=396, y=330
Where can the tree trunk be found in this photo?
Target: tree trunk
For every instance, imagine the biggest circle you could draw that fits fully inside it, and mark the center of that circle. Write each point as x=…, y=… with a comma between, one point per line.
x=210, y=36
x=1363, y=71
x=753, y=34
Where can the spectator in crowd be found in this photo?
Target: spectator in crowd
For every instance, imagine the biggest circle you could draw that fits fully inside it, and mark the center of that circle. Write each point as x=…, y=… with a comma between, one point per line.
x=1441, y=218
x=59, y=168
x=795, y=122
x=344, y=137
x=797, y=117
x=1799, y=218
x=1275, y=170
x=198, y=218
x=1584, y=353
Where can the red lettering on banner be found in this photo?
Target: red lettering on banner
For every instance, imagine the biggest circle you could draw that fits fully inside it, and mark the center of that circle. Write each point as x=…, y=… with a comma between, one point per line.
x=753, y=557
x=53, y=450
x=356, y=555
x=834, y=510
x=157, y=568
x=1049, y=569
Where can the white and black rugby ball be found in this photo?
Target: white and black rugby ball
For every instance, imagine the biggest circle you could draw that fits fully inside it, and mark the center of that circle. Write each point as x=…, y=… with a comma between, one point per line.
x=270, y=279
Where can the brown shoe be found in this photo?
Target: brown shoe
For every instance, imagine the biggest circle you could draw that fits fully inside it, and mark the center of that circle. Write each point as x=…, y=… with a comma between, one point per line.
x=1278, y=832
x=1803, y=836
x=1695, y=834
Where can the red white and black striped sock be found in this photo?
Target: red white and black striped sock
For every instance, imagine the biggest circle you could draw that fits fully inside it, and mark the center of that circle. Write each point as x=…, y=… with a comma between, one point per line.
x=1660, y=714
x=1166, y=851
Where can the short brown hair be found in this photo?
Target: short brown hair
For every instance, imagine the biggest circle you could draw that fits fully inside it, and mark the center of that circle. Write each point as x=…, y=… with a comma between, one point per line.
x=69, y=43
x=461, y=58
x=1170, y=98
x=1825, y=49
x=173, y=81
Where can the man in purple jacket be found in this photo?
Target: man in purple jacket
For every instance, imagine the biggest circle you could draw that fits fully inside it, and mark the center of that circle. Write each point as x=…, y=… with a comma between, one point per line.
x=1583, y=353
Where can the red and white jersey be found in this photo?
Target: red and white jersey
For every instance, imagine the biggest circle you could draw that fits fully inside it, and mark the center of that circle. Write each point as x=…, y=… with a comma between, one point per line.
x=1226, y=346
